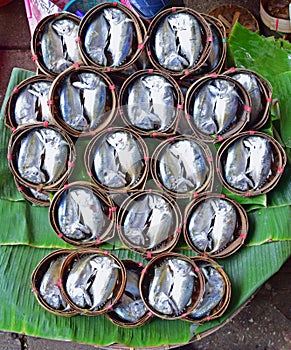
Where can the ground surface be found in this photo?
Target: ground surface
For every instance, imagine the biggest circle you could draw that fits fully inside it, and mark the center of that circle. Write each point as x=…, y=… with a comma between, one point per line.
x=264, y=323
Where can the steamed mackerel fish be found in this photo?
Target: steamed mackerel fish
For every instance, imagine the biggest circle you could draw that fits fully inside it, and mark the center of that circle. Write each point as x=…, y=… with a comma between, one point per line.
x=83, y=100
x=49, y=288
x=42, y=156
x=91, y=281
x=80, y=215
x=172, y=287
x=214, y=290
x=58, y=45
x=212, y=225
x=150, y=104
x=177, y=41
x=109, y=38
x=31, y=104
x=131, y=308
x=215, y=107
x=183, y=166
x=248, y=163
x=148, y=222
x=118, y=160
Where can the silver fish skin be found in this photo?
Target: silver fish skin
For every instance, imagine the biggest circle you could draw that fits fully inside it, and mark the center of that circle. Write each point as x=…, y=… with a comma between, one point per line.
x=200, y=225
x=94, y=97
x=53, y=51
x=30, y=158
x=68, y=30
x=225, y=221
x=55, y=154
x=192, y=160
x=260, y=160
x=159, y=222
x=134, y=225
x=121, y=35
x=104, y=282
x=235, y=166
x=41, y=91
x=39, y=195
x=250, y=83
x=188, y=33
x=107, y=166
x=90, y=212
x=160, y=288
x=96, y=40
x=130, y=310
x=203, y=110
x=166, y=48
x=49, y=289
x=183, y=283
x=226, y=104
x=69, y=218
x=162, y=99
x=78, y=281
x=139, y=107
x=132, y=283
x=71, y=108
x=25, y=107
x=215, y=53
x=214, y=291
x=129, y=155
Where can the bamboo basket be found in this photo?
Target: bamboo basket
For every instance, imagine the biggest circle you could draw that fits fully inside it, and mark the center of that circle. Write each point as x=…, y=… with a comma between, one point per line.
x=13, y=153
x=206, y=42
x=117, y=290
x=170, y=129
x=97, y=141
x=162, y=149
x=239, y=234
x=148, y=275
x=108, y=213
x=277, y=165
x=130, y=265
x=105, y=117
x=279, y=21
x=37, y=277
x=242, y=112
x=222, y=306
x=174, y=230
x=265, y=89
x=10, y=118
x=138, y=42
x=36, y=45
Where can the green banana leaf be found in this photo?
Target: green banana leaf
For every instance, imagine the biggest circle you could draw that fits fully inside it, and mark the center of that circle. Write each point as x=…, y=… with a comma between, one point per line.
x=27, y=237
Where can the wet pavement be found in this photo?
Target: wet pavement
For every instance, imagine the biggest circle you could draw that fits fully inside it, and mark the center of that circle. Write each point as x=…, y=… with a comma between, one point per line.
x=264, y=323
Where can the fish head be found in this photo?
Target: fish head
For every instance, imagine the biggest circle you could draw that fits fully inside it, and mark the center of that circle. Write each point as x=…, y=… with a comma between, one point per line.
x=63, y=26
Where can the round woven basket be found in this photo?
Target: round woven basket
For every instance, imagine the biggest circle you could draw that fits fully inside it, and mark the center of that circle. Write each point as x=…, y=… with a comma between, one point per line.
x=38, y=50
x=117, y=290
x=277, y=19
x=240, y=230
x=135, y=267
x=108, y=213
x=13, y=119
x=139, y=32
x=174, y=230
x=106, y=115
x=176, y=109
x=163, y=149
x=38, y=275
x=256, y=121
x=206, y=42
x=242, y=111
x=148, y=274
x=278, y=163
x=14, y=146
x=110, y=185
x=222, y=305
